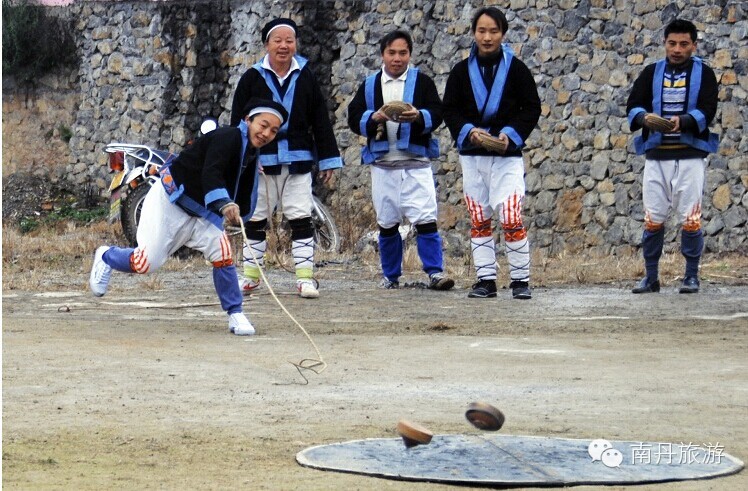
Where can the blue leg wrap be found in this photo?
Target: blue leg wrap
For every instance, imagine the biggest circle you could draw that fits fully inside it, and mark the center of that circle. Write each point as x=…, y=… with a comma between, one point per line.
x=652, y=250
x=430, y=251
x=691, y=246
x=391, y=255
x=227, y=288
x=119, y=258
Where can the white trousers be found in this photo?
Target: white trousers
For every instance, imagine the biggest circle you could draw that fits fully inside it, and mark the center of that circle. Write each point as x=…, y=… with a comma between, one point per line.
x=673, y=185
x=164, y=227
x=493, y=185
x=293, y=192
x=398, y=193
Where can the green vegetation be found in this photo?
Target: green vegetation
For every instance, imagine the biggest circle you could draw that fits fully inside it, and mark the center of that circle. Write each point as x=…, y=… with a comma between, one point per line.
x=28, y=224
x=66, y=213
x=65, y=133
x=35, y=43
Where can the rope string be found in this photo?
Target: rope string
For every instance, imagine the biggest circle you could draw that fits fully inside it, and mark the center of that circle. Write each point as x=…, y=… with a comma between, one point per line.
x=316, y=365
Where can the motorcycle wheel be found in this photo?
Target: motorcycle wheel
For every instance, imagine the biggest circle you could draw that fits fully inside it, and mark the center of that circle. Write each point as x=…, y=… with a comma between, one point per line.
x=130, y=215
x=326, y=234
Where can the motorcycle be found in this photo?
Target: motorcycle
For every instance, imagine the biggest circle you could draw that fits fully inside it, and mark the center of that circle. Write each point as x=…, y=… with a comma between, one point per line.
x=136, y=169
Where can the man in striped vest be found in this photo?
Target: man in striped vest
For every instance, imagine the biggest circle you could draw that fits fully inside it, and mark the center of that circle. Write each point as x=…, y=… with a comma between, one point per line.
x=673, y=102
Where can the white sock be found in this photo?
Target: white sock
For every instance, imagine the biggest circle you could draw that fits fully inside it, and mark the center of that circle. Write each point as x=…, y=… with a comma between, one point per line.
x=518, y=254
x=484, y=257
x=252, y=267
x=303, y=257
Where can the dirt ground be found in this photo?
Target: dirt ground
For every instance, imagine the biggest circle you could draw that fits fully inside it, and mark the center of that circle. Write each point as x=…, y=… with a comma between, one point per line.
x=145, y=388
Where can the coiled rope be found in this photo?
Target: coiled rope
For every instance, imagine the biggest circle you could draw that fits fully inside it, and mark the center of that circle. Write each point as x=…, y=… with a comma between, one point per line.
x=315, y=365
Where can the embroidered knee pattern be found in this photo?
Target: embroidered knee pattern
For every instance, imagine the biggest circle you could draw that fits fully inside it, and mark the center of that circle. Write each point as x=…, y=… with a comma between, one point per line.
x=651, y=226
x=515, y=238
x=693, y=219
x=514, y=232
x=481, y=227
x=511, y=219
x=226, y=255
x=139, y=261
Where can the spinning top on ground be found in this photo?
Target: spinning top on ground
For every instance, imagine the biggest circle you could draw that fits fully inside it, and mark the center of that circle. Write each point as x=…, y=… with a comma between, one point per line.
x=413, y=434
x=484, y=416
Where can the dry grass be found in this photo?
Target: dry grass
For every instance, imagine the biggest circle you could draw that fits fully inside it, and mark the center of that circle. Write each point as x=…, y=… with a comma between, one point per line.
x=575, y=269
x=580, y=269
x=28, y=258
x=65, y=252
x=59, y=257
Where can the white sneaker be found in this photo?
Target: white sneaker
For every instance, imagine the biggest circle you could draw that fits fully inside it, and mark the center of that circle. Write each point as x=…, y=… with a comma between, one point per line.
x=307, y=289
x=100, y=273
x=240, y=325
x=248, y=285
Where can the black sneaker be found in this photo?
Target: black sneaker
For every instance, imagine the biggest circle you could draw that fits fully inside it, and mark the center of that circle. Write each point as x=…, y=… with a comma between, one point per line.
x=483, y=289
x=438, y=281
x=690, y=285
x=389, y=285
x=520, y=290
x=645, y=286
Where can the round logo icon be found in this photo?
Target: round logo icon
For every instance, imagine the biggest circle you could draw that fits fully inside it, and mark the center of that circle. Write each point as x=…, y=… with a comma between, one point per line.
x=597, y=447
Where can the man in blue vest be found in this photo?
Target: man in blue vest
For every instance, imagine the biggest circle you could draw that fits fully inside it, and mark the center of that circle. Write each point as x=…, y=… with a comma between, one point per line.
x=673, y=102
x=402, y=183
x=492, y=95
x=305, y=139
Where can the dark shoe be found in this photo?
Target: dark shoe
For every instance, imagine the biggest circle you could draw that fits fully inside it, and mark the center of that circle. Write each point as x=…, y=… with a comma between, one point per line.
x=646, y=287
x=389, y=285
x=438, y=281
x=690, y=285
x=483, y=289
x=520, y=290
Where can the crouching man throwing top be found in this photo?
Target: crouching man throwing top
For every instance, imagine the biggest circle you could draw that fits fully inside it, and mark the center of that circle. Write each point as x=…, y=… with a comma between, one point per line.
x=212, y=182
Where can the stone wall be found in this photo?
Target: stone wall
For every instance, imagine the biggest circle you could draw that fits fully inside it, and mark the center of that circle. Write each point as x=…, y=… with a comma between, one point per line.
x=38, y=119
x=37, y=124
x=150, y=71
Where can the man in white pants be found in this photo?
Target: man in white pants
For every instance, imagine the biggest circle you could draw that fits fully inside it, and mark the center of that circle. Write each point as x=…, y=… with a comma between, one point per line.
x=402, y=183
x=306, y=139
x=493, y=93
x=212, y=182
